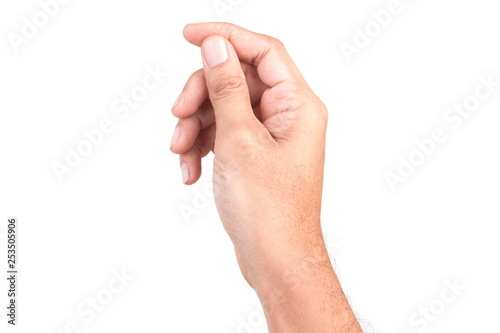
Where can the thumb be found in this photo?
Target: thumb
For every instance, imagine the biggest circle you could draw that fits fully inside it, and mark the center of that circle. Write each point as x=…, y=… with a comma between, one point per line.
x=226, y=83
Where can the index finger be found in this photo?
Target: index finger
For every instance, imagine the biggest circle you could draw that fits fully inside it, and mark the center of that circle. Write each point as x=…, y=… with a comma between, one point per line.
x=268, y=54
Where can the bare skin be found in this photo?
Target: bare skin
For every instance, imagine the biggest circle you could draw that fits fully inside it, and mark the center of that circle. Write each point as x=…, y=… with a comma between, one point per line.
x=251, y=106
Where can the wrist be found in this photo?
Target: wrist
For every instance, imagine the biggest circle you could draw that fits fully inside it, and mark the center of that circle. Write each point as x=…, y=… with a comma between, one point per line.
x=295, y=277
x=299, y=291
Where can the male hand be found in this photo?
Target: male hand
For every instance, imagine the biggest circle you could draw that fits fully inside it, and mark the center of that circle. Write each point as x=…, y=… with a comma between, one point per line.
x=251, y=106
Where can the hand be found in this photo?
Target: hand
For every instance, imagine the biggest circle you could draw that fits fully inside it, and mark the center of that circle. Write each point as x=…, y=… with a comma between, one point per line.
x=251, y=106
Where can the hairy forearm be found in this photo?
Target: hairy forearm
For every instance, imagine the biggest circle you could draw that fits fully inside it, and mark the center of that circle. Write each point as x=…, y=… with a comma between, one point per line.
x=300, y=292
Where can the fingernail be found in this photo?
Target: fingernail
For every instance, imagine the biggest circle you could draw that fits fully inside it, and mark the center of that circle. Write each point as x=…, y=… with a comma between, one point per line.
x=185, y=173
x=175, y=137
x=177, y=100
x=215, y=52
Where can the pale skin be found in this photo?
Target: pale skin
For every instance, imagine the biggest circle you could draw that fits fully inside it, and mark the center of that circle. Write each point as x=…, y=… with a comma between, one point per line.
x=250, y=105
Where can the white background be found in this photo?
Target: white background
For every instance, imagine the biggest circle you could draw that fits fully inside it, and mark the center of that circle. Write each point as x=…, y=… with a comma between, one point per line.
x=120, y=209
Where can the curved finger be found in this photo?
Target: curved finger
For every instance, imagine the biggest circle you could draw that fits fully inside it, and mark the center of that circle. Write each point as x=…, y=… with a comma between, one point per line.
x=191, y=160
x=192, y=96
x=273, y=63
x=187, y=129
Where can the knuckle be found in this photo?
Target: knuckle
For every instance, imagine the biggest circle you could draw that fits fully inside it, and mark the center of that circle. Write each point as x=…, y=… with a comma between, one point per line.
x=196, y=76
x=274, y=41
x=321, y=117
x=229, y=86
x=242, y=139
x=192, y=82
x=322, y=122
x=323, y=113
x=277, y=43
x=318, y=115
x=245, y=144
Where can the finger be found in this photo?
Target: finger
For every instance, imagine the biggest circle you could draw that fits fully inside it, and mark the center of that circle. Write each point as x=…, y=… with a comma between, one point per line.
x=187, y=129
x=195, y=91
x=191, y=160
x=227, y=85
x=193, y=95
x=273, y=63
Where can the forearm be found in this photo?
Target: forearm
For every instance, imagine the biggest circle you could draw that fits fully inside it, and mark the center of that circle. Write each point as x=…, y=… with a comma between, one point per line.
x=300, y=291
